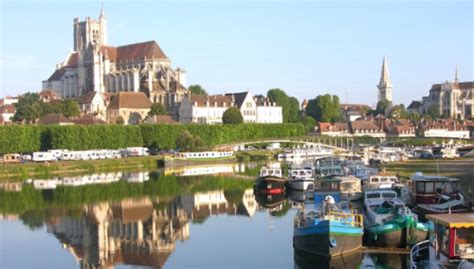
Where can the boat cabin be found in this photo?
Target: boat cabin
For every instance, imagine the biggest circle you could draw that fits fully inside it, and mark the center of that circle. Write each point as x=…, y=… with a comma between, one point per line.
x=426, y=189
x=380, y=182
x=301, y=173
x=452, y=239
x=270, y=171
x=327, y=186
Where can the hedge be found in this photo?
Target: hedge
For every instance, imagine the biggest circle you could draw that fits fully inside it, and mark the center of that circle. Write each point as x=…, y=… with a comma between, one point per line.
x=29, y=138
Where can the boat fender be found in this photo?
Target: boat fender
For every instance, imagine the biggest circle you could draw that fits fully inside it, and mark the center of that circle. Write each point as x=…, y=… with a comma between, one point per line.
x=332, y=242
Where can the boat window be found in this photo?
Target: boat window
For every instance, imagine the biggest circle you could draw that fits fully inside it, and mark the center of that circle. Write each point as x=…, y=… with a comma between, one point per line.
x=389, y=195
x=384, y=179
x=443, y=235
x=375, y=179
x=420, y=187
x=464, y=244
x=373, y=195
x=429, y=187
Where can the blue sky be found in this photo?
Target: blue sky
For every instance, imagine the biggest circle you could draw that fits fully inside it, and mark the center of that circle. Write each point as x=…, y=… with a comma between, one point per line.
x=305, y=48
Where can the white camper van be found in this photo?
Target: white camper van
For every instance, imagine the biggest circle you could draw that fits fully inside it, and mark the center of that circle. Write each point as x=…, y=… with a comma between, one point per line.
x=43, y=157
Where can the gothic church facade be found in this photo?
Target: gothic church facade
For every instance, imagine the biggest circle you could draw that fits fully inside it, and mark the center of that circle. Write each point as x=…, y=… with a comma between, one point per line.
x=94, y=66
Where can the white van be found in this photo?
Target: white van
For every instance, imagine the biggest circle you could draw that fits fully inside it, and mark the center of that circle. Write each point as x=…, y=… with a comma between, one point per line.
x=43, y=157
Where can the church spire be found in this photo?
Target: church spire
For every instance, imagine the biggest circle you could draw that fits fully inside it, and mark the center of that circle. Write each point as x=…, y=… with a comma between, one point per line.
x=385, y=76
x=385, y=84
x=102, y=13
x=456, y=75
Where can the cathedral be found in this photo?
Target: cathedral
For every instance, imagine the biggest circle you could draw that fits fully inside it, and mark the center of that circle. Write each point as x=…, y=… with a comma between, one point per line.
x=94, y=66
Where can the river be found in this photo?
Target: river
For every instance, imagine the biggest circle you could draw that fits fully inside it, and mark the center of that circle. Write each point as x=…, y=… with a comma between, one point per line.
x=158, y=219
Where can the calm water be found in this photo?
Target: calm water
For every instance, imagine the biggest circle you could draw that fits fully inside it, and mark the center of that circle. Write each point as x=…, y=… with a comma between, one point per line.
x=156, y=220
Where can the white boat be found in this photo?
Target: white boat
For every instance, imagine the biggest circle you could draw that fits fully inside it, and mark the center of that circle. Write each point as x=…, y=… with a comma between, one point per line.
x=305, y=153
x=301, y=179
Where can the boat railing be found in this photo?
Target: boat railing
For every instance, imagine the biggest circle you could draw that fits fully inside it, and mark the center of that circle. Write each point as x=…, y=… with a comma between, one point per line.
x=416, y=250
x=355, y=220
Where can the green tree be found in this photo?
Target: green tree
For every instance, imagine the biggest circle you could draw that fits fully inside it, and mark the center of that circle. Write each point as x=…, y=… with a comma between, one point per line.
x=232, y=116
x=157, y=109
x=280, y=98
x=28, y=108
x=187, y=141
x=414, y=117
x=120, y=120
x=398, y=112
x=294, y=110
x=308, y=123
x=197, y=90
x=324, y=108
x=70, y=108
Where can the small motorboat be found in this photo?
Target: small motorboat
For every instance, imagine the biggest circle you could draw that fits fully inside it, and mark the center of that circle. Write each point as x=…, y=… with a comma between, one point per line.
x=301, y=179
x=270, y=180
x=389, y=223
x=331, y=230
x=451, y=243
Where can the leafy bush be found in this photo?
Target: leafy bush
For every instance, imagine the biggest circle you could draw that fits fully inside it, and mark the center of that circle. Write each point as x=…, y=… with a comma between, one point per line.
x=29, y=138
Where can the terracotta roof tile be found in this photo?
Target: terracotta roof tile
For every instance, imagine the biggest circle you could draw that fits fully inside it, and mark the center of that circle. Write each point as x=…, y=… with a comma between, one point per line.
x=214, y=100
x=364, y=125
x=137, y=100
x=8, y=109
x=53, y=119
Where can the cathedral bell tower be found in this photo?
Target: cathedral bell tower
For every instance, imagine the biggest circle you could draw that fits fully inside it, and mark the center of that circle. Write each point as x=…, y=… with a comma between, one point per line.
x=385, y=84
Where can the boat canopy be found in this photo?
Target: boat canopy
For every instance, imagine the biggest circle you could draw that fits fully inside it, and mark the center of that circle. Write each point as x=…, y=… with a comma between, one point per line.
x=458, y=220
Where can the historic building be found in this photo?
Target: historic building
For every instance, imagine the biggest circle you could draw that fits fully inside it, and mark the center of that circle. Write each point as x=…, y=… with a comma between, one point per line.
x=452, y=99
x=385, y=84
x=94, y=66
x=210, y=109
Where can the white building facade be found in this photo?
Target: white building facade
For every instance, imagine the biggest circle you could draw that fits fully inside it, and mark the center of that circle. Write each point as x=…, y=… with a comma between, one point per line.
x=210, y=109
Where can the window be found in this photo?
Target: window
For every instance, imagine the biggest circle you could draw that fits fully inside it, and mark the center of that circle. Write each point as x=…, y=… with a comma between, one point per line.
x=429, y=187
x=420, y=187
x=464, y=243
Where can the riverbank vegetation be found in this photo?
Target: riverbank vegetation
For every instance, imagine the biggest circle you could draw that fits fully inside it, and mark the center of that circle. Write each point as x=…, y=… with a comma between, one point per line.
x=68, y=168
x=29, y=138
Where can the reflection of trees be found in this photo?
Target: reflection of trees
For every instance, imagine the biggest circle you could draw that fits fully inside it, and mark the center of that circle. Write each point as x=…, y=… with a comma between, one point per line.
x=33, y=219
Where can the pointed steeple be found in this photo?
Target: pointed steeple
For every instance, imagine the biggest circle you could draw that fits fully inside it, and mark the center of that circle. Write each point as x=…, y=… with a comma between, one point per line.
x=385, y=84
x=102, y=13
x=385, y=76
x=456, y=75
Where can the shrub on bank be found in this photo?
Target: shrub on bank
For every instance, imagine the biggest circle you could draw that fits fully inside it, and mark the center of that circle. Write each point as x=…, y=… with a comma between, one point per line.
x=29, y=138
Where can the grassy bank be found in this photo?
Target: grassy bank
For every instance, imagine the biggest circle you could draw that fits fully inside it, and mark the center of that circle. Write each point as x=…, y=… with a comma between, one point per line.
x=65, y=168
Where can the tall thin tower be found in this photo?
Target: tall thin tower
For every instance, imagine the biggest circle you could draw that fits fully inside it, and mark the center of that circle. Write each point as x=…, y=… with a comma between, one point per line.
x=385, y=84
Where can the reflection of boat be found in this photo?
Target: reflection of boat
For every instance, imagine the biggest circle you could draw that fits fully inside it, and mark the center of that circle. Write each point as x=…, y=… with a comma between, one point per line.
x=301, y=179
x=389, y=223
x=270, y=201
x=270, y=180
x=331, y=231
x=305, y=260
x=451, y=244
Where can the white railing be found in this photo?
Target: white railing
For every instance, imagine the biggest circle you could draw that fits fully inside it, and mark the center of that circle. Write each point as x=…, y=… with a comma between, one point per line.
x=415, y=251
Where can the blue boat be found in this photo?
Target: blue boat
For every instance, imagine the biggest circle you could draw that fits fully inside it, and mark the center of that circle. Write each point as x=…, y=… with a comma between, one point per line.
x=332, y=229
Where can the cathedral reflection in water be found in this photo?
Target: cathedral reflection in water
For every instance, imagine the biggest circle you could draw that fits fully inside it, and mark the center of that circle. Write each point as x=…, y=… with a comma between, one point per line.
x=139, y=232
